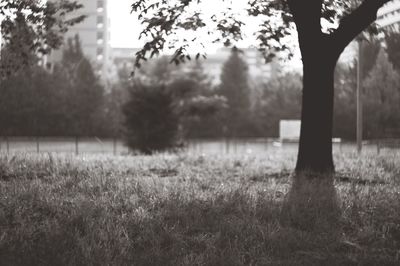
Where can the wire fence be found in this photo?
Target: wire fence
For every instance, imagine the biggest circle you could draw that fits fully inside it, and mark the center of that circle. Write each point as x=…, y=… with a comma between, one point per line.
x=95, y=145
x=77, y=145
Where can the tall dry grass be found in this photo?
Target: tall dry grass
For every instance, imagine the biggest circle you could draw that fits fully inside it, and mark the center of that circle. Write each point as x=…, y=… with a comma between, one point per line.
x=190, y=210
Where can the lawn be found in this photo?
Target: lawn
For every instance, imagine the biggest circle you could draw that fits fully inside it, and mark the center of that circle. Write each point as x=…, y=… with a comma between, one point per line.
x=189, y=210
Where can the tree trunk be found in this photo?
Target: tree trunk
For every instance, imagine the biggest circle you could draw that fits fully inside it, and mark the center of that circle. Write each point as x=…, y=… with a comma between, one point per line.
x=315, y=147
x=312, y=203
x=320, y=53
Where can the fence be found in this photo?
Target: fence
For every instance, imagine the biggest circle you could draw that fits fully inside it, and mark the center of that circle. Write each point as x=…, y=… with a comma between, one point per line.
x=75, y=145
x=115, y=146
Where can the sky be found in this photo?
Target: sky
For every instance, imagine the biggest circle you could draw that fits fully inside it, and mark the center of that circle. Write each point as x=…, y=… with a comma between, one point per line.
x=125, y=28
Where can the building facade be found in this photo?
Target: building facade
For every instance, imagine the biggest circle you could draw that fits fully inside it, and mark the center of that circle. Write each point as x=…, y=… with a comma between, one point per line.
x=94, y=35
x=258, y=69
x=389, y=15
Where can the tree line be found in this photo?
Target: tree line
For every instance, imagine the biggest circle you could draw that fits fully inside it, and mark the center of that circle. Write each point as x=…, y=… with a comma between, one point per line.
x=71, y=100
x=68, y=101
x=254, y=109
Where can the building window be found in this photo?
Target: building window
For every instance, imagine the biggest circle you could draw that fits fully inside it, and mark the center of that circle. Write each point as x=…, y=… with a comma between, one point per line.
x=100, y=51
x=100, y=22
x=100, y=3
x=100, y=35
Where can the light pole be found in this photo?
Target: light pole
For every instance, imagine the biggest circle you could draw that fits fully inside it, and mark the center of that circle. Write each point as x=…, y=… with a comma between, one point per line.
x=360, y=40
x=359, y=97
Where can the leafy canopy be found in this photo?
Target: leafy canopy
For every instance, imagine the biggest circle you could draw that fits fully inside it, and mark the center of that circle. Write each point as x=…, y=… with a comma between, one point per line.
x=164, y=21
x=46, y=22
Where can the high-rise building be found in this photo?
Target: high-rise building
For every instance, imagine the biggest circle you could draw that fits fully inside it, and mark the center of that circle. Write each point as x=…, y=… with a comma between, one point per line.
x=94, y=35
x=389, y=15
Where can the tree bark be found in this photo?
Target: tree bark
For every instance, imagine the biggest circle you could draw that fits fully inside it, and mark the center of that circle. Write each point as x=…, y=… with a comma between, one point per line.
x=315, y=147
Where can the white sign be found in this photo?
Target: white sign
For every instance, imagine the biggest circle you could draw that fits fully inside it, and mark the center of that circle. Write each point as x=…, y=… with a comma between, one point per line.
x=289, y=129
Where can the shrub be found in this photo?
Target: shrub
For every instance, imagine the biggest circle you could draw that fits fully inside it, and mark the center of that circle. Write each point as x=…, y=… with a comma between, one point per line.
x=151, y=122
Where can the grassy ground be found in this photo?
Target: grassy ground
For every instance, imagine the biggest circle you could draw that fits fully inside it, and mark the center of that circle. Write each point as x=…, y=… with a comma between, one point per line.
x=187, y=210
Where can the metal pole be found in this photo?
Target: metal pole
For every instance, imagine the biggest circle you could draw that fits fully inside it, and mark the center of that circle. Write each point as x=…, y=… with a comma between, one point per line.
x=8, y=145
x=37, y=145
x=77, y=145
x=359, y=99
x=115, y=146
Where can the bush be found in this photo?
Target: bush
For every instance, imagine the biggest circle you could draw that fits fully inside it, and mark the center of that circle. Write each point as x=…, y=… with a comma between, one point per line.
x=150, y=119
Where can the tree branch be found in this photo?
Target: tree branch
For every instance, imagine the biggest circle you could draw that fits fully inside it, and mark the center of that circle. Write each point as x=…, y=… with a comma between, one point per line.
x=353, y=24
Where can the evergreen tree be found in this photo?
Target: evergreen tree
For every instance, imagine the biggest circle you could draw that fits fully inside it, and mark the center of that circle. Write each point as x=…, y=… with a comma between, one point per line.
x=280, y=99
x=392, y=39
x=382, y=99
x=26, y=100
x=369, y=53
x=198, y=103
x=152, y=123
x=84, y=96
x=235, y=88
x=43, y=24
x=345, y=106
x=114, y=101
x=17, y=54
x=158, y=71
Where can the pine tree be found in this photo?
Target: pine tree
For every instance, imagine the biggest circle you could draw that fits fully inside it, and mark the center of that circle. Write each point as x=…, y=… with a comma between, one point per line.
x=84, y=94
x=392, y=39
x=26, y=98
x=382, y=99
x=369, y=54
x=235, y=88
x=17, y=55
x=151, y=121
x=197, y=102
x=39, y=27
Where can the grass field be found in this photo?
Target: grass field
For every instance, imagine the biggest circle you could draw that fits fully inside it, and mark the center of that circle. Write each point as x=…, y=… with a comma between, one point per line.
x=189, y=210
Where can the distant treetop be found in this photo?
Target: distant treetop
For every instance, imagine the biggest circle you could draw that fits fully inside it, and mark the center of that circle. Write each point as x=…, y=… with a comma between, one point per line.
x=46, y=22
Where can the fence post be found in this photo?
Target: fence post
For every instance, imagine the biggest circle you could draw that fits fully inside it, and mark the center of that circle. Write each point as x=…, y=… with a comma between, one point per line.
x=37, y=145
x=76, y=145
x=115, y=146
x=8, y=145
x=378, y=148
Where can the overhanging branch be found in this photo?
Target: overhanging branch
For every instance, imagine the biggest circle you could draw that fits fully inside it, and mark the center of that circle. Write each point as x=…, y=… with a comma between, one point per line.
x=352, y=25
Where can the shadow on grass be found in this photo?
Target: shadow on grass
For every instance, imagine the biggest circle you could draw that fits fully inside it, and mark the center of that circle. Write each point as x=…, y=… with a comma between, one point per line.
x=236, y=227
x=73, y=212
x=312, y=204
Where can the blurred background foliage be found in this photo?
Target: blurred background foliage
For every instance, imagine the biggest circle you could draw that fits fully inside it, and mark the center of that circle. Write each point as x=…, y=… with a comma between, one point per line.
x=72, y=101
